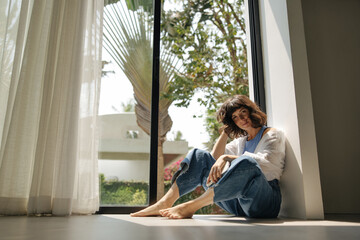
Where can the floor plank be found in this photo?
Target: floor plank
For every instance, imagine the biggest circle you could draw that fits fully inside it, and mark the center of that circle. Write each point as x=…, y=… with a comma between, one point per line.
x=205, y=227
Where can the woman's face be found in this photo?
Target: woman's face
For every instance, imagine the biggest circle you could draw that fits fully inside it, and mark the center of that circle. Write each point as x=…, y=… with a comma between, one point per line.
x=241, y=118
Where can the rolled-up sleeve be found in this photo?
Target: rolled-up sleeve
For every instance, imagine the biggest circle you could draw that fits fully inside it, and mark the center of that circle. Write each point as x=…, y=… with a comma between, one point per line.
x=232, y=147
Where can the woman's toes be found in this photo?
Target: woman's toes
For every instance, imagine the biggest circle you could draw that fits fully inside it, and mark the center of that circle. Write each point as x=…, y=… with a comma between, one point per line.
x=166, y=214
x=163, y=212
x=174, y=216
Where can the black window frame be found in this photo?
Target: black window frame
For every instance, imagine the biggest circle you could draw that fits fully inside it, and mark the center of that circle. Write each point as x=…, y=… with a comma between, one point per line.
x=258, y=86
x=256, y=54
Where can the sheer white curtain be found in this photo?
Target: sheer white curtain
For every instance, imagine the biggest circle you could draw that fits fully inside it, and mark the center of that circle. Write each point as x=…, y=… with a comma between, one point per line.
x=50, y=70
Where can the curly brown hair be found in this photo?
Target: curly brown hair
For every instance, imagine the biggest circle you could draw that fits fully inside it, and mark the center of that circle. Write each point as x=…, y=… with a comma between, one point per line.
x=224, y=115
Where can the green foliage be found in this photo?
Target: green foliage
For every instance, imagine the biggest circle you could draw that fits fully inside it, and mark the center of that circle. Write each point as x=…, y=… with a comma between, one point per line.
x=175, y=136
x=123, y=193
x=146, y=5
x=178, y=136
x=209, y=38
x=128, y=38
x=139, y=198
x=129, y=106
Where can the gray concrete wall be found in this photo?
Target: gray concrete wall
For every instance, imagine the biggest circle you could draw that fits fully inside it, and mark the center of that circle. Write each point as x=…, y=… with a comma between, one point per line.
x=332, y=33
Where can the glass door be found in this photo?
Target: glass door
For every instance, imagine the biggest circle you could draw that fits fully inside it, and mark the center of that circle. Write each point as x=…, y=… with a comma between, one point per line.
x=125, y=103
x=203, y=61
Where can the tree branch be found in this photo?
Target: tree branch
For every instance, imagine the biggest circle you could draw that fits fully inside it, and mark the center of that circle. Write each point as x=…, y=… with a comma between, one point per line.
x=238, y=20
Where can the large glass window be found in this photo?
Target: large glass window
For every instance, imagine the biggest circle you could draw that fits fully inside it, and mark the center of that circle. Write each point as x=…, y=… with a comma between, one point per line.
x=202, y=62
x=125, y=103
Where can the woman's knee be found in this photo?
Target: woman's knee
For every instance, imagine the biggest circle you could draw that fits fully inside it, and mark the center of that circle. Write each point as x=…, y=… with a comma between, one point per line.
x=195, y=167
x=201, y=156
x=245, y=162
x=199, y=152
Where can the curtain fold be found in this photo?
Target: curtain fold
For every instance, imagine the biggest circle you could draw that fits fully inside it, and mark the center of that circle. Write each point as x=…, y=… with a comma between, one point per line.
x=50, y=64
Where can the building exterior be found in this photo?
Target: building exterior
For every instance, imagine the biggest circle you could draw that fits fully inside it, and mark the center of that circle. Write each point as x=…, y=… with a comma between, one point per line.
x=124, y=148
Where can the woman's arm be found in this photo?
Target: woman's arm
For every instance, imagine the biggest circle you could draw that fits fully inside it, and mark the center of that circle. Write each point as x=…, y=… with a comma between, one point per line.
x=219, y=147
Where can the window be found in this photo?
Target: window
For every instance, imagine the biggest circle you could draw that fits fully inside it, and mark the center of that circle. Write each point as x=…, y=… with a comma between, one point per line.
x=126, y=106
x=120, y=144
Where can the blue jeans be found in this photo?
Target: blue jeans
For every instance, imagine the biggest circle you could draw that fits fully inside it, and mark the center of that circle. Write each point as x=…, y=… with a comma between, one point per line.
x=243, y=190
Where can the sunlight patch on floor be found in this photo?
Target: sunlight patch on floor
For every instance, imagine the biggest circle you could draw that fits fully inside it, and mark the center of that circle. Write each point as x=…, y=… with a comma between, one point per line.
x=226, y=220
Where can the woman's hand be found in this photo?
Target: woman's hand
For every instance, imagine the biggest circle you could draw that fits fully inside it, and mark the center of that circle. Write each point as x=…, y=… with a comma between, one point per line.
x=216, y=170
x=222, y=128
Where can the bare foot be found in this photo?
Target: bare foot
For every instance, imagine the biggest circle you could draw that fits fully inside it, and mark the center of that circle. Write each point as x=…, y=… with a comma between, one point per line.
x=153, y=210
x=178, y=212
x=165, y=202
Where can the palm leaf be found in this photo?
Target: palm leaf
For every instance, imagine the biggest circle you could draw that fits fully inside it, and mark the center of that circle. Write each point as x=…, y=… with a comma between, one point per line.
x=128, y=40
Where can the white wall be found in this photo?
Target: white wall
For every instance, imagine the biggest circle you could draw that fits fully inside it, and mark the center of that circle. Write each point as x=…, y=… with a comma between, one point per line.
x=125, y=170
x=289, y=105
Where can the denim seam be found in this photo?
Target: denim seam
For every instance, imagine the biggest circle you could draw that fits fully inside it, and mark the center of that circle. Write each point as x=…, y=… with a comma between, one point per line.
x=244, y=195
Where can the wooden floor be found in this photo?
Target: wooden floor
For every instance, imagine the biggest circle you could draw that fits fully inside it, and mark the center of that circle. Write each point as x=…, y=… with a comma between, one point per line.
x=158, y=228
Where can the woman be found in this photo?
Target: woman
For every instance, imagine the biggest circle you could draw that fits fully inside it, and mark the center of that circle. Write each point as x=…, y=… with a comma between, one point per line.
x=249, y=187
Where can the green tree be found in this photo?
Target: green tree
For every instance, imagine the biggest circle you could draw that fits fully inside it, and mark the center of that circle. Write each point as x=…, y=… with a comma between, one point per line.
x=209, y=38
x=178, y=136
